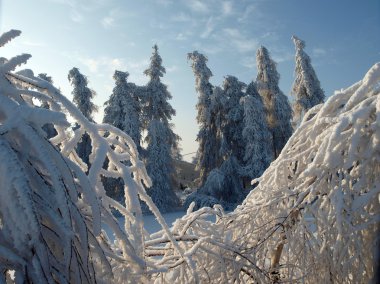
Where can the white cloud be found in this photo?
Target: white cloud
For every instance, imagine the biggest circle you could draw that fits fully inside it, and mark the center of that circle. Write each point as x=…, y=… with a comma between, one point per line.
x=76, y=16
x=90, y=63
x=250, y=11
x=164, y=2
x=197, y=6
x=210, y=25
x=108, y=22
x=227, y=8
x=181, y=37
x=282, y=56
x=318, y=52
x=112, y=17
x=232, y=33
x=246, y=45
x=240, y=41
x=105, y=66
x=32, y=43
x=181, y=17
x=249, y=62
x=172, y=68
x=207, y=49
x=104, y=63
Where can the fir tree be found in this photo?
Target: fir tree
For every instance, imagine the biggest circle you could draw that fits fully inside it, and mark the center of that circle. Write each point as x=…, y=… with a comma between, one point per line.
x=256, y=135
x=123, y=111
x=160, y=139
x=277, y=108
x=82, y=96
x=48, y=127
x=233, y=121
x=123, y=108
x=208, y=151
x=306, y=87
x=217, y=121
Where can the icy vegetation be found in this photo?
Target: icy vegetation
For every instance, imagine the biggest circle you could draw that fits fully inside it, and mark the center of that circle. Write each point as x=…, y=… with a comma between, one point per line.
x=306, y=87
x=313, y=218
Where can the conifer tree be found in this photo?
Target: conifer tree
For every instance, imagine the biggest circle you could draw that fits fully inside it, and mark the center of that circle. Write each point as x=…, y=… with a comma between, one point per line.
x=256, y=135
x=233, y=121
x=208, y=151
x=123, y=108
x=82, y=98
x=306, y=87
x=48, y=127
x=160, y=137
x=123, y=111
x=217, y=121
x=277, y=107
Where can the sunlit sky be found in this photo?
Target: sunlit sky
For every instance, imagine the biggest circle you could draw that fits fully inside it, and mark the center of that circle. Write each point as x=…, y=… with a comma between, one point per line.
x=98, y=36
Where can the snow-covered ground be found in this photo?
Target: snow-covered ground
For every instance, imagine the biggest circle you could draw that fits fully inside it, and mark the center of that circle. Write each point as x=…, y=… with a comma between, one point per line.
x=150, y=222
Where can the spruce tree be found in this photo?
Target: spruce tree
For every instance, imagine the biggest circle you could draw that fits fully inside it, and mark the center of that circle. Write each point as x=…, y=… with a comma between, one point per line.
x=123, y=107
x=123, y=111
x=48, y=127
x=82, y=98
x=233, y=119
x=306, y=87
x=256, y=135
x=208, y=152
x=277, y=107
x=160, y=137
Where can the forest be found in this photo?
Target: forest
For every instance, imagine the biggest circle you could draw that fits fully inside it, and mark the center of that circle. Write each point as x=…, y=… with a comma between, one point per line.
x=294, y=189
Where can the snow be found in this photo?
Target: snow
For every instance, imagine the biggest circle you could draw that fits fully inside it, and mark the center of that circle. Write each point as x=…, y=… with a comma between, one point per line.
x=313, y=216
x=151, y=225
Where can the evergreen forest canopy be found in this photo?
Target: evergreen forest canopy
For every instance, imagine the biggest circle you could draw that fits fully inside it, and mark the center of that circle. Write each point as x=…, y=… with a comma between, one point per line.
x=313, y=217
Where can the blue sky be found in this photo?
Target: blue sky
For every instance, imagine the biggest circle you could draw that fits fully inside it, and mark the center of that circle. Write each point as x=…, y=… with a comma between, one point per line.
x=98, y=36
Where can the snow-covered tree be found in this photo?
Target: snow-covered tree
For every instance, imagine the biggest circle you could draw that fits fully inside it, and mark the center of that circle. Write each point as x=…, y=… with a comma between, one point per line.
x=314, y=217
x=122, y=111
x=232, y=126
x=277, y=107
x=49, y=128
x=82, y=98
x=256, y=135
x=208, y=152
x=160, y=138
x=218, y=102
x=224, y=184
x=50, y=210
x=306, y=87
x=82, y=95
x=123, y=107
